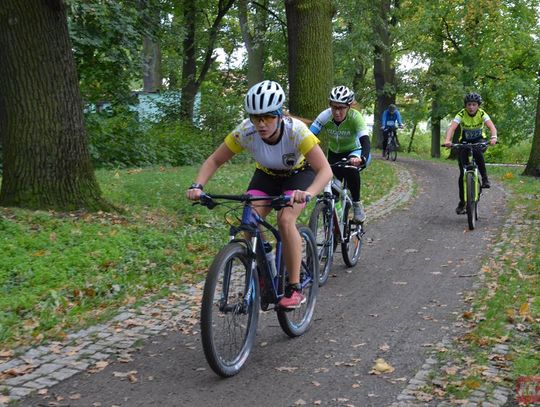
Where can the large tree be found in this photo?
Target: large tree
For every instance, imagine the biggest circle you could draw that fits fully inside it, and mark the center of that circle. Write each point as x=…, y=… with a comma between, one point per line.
x=45, y=149
x=533, y=165
x=309, y=27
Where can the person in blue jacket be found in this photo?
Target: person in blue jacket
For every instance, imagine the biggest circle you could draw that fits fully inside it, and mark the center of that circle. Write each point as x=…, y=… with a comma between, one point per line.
x=390, y=119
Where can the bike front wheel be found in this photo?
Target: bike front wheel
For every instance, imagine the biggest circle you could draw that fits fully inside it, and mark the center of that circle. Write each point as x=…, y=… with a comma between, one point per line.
x=320, y=223
x=393, y=152
x=353, y=232
x=230, y=310
x=296, y=322
x=471, y=200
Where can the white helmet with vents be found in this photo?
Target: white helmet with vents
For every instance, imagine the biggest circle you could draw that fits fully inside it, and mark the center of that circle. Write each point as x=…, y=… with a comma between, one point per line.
x=341, y=94
x=264, y=97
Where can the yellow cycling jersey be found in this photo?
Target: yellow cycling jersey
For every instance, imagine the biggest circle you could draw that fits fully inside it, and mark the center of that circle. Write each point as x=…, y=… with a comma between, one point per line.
x=286, y=155
x=471, y=126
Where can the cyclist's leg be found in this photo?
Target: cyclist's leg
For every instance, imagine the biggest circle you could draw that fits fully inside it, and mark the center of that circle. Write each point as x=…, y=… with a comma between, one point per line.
x=462, y=162
x=481, y=162
x=385, y=140
x=292, y=242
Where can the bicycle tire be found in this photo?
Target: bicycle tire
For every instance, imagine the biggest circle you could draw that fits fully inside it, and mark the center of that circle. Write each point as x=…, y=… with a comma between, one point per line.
x=471, y=200
x=320, y=223
x=296, y=322
x=228, y=336
x=352, y=246
x=393, y=152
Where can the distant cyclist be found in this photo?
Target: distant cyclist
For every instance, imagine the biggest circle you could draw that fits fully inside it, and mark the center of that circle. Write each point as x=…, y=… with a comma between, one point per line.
x=391, y=118
x=471, y=120
x=348, y=137
x=288, y=161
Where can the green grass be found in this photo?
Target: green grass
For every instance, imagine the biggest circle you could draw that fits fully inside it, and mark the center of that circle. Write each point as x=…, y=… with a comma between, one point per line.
x=63, y=271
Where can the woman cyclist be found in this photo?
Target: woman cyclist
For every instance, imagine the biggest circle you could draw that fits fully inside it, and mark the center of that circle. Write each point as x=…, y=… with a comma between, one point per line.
x=289, y=161
x=347, y=138
x=471, y=119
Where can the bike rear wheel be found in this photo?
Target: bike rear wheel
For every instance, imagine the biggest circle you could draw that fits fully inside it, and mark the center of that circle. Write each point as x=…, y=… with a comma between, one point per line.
x=296, y=322
x=230, y=310
x=471, y=200
x=320, y=223
x=352, y=246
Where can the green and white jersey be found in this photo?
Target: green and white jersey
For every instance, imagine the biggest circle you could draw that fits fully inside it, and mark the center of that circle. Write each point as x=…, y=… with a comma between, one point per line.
x=471, y=126
x=343, y=137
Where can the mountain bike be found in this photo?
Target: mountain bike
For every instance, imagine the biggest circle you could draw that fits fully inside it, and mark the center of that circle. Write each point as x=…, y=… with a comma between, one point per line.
x=472, y=187
x=390, y=153
x=241, y=280
x=331, y=223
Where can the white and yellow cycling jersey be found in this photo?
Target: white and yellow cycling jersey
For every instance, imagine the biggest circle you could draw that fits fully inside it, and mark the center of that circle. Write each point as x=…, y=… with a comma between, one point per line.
x=286, y=155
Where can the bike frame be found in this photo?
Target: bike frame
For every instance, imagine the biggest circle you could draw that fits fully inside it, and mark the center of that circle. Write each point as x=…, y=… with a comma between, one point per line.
x=250, y=223
x=471, y=168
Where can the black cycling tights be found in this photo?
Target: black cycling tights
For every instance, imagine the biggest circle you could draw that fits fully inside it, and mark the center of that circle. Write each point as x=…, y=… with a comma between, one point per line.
x=352, y=177
x=463, y=160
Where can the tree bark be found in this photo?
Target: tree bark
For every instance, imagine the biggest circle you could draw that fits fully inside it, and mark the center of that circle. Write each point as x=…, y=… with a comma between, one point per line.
x=409, y=148
x=309, y=28
x=46, y=158
x=435, y=127
x=533, y=165
x=254, y=39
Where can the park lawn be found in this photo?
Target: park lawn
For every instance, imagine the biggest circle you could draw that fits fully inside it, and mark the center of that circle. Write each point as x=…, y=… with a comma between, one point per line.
x=63, y=271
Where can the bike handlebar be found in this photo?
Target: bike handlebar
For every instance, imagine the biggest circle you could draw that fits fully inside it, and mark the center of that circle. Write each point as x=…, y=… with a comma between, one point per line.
x=467, y=145
x=346, y=163
x=276, y=202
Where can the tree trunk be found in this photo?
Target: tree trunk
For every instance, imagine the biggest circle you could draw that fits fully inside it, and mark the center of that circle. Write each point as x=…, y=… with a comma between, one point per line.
x=435, y=127
x=254, y=39
x=533, y=165
x=45, y=148
x=383, y=71
x=151, y=65
x=189, y=65
x=190, y=81
x=309, y=28
x=409, y=148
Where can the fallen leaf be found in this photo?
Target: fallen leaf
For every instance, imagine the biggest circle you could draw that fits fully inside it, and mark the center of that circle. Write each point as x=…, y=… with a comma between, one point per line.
x=524, y=309
x=286, y=369
x=300, y=402
x=384, y=347
x=75, y=396
x=315, y=383
x=381, y=366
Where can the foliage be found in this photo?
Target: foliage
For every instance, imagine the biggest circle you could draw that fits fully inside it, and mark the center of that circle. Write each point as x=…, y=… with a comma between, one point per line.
x=119, y=141
x=61, y=271
x=107, y=39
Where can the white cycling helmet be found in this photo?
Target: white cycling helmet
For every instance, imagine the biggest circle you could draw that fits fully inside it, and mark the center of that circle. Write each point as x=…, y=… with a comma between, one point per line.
x=264, y=97
x=341, y=94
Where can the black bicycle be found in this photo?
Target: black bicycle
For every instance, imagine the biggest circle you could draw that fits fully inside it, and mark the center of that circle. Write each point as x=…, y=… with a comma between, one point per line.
x=243, y=279
x=331, y=223
x=390, y=153
x=472, y=187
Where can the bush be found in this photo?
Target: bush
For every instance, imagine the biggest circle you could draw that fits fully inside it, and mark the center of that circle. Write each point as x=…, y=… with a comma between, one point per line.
x=120, y=141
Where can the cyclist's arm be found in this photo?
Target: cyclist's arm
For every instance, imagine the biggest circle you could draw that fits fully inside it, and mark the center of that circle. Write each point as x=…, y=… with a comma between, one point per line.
x=493, y=130
x=450, y=133
x=219, y=157
x=384, y=118
x=320, y=121
x=398, y=118
x=317, y=160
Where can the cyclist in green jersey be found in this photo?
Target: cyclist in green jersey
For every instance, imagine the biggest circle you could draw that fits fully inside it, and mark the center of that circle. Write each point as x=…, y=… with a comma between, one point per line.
x=348, y=137
x=471, y=121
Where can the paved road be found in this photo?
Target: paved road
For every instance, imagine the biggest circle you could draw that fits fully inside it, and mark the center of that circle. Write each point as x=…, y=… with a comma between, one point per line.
x=403, y=297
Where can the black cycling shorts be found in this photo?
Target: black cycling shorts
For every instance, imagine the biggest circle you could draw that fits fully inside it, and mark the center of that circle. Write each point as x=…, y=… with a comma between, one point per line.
x=274, y=185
